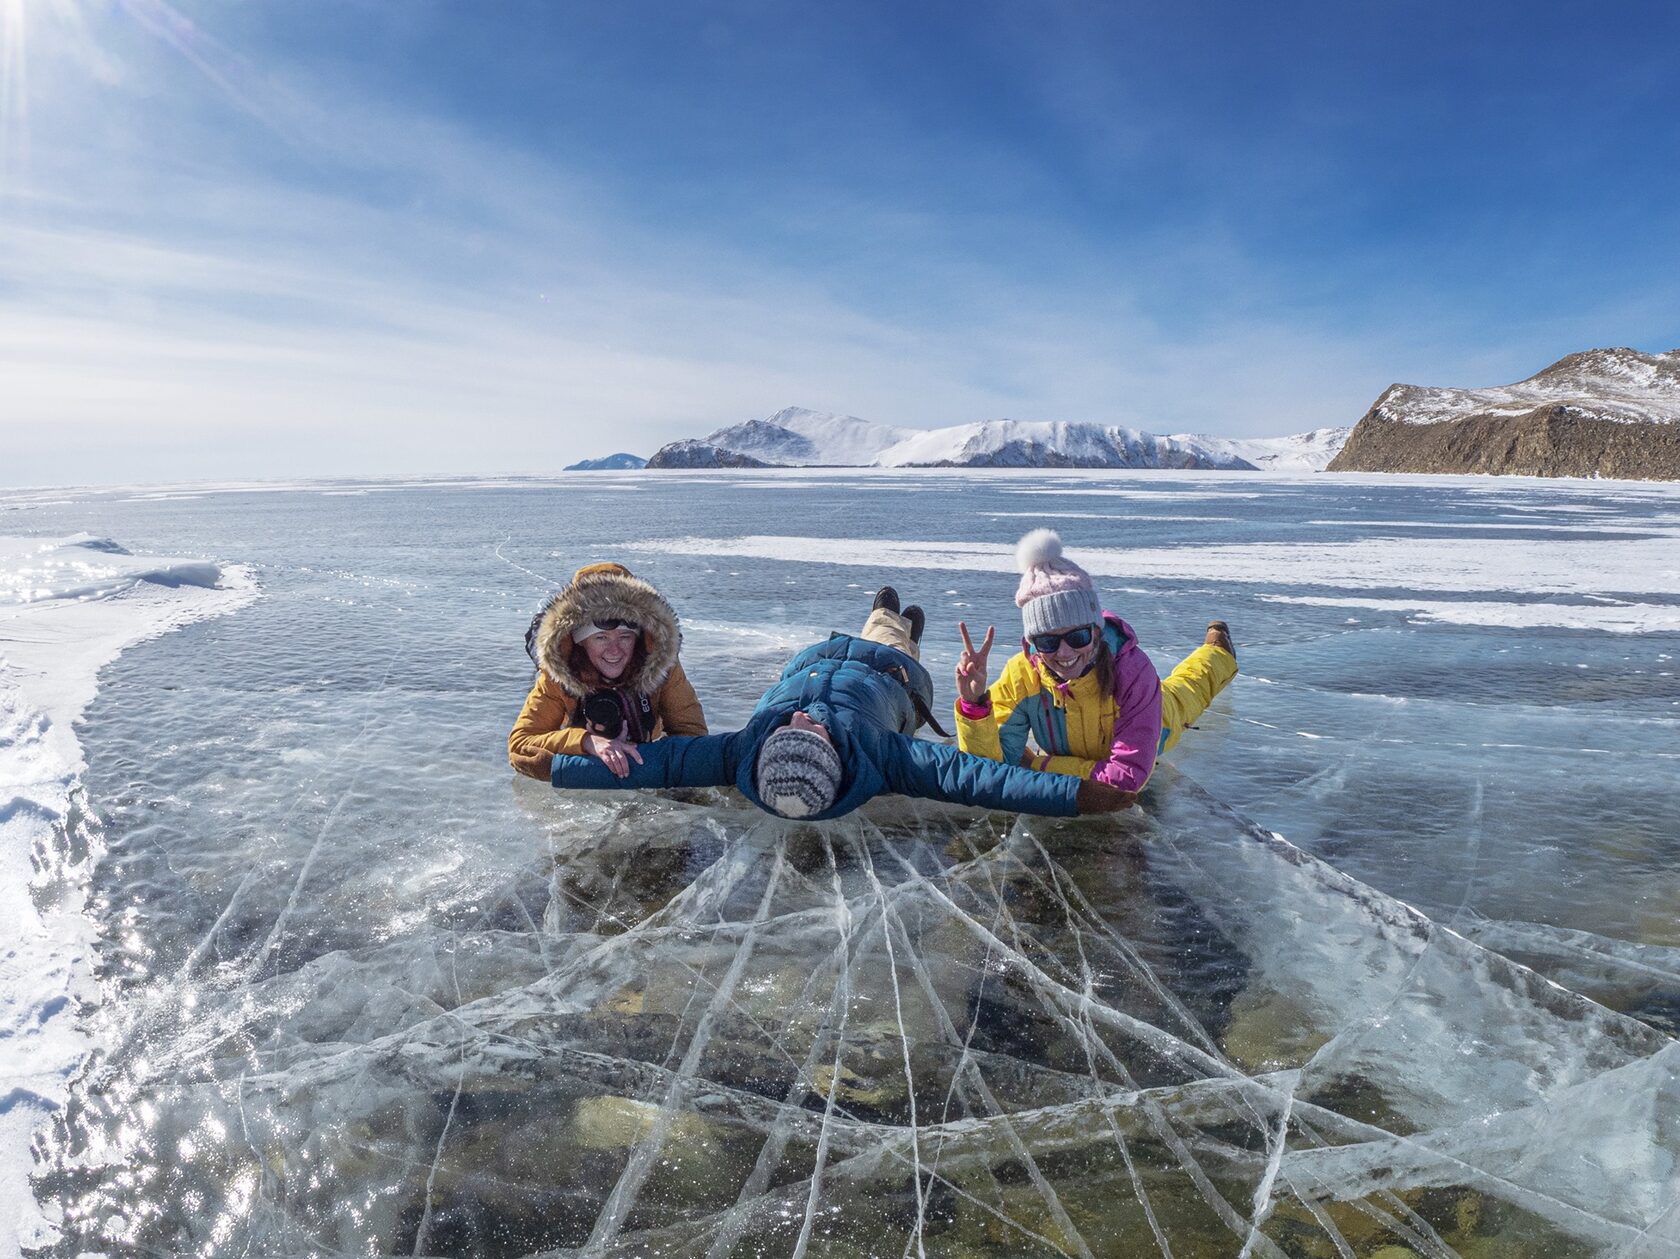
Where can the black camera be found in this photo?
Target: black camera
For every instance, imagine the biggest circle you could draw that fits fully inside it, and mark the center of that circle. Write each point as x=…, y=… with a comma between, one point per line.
x=603, y=714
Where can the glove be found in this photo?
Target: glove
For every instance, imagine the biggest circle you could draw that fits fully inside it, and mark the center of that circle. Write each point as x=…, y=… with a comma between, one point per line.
x=1097, y=797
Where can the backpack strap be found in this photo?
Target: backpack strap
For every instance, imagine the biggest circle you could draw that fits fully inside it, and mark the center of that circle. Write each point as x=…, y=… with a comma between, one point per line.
x=923, y=716
x=926, y=716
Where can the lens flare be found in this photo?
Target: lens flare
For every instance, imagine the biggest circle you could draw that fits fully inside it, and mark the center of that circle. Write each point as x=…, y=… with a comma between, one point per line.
x=14, y=94
x=86, y=36
x=229, y=72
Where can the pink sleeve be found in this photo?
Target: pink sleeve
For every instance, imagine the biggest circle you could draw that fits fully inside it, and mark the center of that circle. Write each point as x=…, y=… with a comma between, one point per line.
x=1137, y=726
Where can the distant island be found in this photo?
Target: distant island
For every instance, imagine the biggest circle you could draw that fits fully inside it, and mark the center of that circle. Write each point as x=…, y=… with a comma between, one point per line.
x=795, y=437
x=620, y=462
x=1600, y=413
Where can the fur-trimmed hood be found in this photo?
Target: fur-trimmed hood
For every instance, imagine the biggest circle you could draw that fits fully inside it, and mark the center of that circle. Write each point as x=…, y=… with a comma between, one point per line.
x=601, y=592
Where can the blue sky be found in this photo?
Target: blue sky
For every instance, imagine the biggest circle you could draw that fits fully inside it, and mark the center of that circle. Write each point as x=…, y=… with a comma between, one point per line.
x=258, y=238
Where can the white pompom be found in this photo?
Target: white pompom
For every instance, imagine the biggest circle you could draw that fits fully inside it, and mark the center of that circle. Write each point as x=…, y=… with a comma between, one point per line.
x=1037, y=549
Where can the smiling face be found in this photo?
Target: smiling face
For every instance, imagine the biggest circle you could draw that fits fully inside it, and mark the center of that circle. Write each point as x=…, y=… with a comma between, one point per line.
x=610, y=651
x=1068, y=661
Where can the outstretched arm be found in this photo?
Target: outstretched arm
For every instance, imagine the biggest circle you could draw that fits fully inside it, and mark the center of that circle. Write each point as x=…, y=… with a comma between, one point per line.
x=917, y=767
x=698, y=761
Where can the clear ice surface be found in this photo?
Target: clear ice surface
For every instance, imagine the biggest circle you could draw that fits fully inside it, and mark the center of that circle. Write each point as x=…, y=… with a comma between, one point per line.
x=365, y=994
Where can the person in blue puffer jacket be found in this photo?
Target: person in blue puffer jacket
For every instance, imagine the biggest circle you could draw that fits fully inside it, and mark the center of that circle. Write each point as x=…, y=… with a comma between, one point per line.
x=836, y=730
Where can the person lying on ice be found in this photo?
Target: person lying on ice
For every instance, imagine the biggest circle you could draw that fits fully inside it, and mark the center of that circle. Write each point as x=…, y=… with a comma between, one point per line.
x=836, y=730
x=1080, y=686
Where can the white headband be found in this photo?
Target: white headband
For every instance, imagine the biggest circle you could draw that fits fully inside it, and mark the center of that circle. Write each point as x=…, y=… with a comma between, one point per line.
x=584, y=631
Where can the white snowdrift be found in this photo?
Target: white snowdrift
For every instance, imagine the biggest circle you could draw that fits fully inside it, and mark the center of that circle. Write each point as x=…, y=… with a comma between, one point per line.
x=68, y=606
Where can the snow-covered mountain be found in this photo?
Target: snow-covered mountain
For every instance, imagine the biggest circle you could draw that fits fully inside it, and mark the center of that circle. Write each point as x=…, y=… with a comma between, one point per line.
x=1620, y=385
x=1052, y=444
x=1612, y=412
x=796, y=437
x=1301, y=452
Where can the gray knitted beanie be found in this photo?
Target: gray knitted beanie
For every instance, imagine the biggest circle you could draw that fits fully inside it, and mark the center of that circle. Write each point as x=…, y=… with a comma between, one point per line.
x=798, y=772
x=1054, y=591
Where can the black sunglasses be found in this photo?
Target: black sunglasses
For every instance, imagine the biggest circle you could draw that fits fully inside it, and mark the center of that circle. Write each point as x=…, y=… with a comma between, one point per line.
x=613, y=622
x=1075, y=638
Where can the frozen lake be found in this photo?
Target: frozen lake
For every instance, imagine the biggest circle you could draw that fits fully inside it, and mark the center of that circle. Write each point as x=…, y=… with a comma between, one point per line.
x=364, y=991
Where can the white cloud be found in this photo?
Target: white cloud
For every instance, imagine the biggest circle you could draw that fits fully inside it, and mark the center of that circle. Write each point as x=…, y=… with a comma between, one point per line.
x=346, y=287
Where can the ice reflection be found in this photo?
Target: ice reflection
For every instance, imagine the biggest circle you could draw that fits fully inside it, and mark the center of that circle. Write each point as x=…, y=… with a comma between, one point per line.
x=916, y=1031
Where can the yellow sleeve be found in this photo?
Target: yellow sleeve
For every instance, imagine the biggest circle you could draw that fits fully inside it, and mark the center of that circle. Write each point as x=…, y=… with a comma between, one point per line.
x=679, y=706
x=1076, y=766
x=541, y=731
x=978, y=736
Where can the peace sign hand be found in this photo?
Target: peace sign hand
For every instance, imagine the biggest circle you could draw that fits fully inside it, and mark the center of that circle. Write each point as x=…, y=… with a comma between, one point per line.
x=971, y=666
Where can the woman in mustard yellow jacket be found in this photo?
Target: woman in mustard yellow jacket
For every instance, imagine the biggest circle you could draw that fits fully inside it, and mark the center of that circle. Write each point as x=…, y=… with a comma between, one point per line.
x=608, y=677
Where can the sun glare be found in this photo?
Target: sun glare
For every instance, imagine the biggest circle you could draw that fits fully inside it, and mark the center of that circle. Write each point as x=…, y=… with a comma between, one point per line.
x=14, y=95
x=15, y=36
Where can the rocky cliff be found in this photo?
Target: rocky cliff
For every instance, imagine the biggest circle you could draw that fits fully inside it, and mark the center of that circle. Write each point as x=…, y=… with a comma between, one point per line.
x=1607, y=413
x=691, y=453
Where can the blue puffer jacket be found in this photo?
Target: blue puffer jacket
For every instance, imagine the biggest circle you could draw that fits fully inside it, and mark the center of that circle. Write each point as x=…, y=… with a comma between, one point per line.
x=858, y=690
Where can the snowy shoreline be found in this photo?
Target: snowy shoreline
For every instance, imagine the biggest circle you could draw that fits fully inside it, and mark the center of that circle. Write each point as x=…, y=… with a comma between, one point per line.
x=68, y=607
x=1472, y=483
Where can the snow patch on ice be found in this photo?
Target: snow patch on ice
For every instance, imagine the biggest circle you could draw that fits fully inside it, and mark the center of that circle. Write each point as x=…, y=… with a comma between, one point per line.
x=1637, y=618
x=1536, y=526
x=68, y=606
x=1600, y=564
x=1117, y=514
x=1171, y=496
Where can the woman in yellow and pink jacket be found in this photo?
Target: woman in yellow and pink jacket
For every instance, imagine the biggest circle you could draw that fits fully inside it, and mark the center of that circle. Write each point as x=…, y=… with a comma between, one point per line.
x=1081, y=697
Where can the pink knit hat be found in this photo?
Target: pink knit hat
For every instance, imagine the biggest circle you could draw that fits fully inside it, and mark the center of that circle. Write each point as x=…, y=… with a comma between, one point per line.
x=1054, y=591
